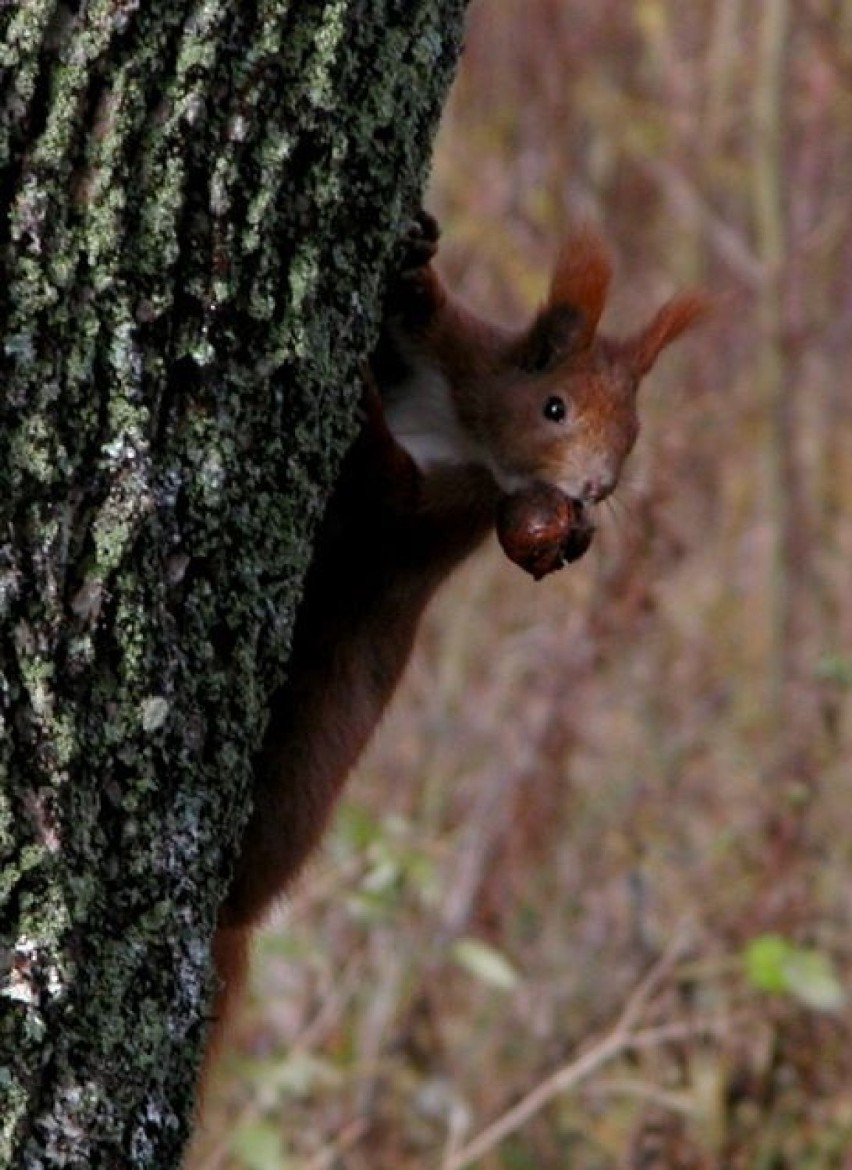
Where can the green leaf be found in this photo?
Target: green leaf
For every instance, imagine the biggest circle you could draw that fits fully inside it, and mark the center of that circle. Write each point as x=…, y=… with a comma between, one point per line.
x=356, y=826
x=258, y=1146
x=485, y=963
x=764, y=962
x=811, y=978
x=774, y=964
x=835, y=668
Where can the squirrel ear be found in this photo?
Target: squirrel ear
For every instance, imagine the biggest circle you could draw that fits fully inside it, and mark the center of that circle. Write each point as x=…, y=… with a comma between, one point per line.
x=581, y=280
x=552, y=336
x=575, y=302
x=674, y=318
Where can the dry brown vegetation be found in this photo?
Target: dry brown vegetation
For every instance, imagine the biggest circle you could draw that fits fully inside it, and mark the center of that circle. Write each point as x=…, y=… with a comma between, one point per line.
x=594, y=882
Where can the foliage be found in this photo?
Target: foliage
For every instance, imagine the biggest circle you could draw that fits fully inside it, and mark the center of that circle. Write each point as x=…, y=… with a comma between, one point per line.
x=777, y=965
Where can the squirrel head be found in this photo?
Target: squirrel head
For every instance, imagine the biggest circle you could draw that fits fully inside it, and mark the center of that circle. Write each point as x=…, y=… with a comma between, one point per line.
x=563, y=408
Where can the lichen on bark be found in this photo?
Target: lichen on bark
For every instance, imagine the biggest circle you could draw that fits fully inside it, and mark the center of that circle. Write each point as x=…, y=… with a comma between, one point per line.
x=199, y=202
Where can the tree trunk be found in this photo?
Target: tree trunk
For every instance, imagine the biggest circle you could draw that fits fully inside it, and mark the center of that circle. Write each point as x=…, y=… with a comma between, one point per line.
x=199, y=204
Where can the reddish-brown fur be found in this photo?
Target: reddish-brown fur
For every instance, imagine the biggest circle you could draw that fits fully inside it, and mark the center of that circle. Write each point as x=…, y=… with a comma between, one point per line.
x=394, y=531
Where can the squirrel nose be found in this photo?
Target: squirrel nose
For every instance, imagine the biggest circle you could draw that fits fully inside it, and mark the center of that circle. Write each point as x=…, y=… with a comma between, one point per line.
x=596, y=488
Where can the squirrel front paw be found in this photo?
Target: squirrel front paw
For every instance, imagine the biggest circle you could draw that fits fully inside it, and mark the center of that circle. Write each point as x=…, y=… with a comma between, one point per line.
x=415, y=292
x=420, y=245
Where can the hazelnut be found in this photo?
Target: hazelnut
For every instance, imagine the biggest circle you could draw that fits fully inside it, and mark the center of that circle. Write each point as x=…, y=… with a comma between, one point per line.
x=540, y=529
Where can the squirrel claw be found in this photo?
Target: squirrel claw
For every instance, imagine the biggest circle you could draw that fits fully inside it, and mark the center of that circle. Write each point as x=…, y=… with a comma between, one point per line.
x=423, y=226
x=421, y=244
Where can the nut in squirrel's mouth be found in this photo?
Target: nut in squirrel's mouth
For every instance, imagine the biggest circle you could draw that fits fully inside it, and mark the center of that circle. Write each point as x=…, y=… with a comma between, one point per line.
x=579, y=536
x=541, y=528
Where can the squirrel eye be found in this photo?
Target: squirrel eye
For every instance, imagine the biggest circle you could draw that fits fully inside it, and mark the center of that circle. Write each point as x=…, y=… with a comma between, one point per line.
x=554, y=409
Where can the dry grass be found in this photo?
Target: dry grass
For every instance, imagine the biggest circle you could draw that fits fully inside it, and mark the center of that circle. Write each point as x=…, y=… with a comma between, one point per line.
x=617, y=780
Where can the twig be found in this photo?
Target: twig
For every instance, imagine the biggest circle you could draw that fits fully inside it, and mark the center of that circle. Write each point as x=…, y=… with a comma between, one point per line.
x=349, y=1136
x=771, y=90
x=568, y=1077
x=652, y=1094
x=727, y=241
x=652, y=981
x=621, y=1039
x=674, y=1102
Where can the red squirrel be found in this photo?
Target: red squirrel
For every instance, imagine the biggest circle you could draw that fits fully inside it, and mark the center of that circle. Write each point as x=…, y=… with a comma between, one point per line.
x=468, y=427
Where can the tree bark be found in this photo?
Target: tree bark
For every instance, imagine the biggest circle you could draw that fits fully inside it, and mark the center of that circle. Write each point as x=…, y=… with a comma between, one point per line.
x=199, y=205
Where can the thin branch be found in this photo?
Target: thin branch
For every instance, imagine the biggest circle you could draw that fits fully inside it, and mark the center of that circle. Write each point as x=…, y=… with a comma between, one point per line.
x=727, y=241
x=349, y=1135
x=674, y=1102
x=620, y=1040
x=616, y=1044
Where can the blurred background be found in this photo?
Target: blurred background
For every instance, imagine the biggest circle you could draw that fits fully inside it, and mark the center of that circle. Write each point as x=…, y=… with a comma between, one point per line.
x=587, y=903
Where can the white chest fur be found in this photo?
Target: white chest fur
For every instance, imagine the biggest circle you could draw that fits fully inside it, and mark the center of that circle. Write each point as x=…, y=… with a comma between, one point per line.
x=422, y=418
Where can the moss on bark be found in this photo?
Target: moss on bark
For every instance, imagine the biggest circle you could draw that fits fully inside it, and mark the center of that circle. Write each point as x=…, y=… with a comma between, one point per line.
x=199, y=204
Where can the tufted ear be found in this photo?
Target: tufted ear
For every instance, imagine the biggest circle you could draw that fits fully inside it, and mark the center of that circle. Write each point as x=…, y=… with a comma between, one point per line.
x=674, y=318
x=554, y=333
x=581, y=280
x=567, y=321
